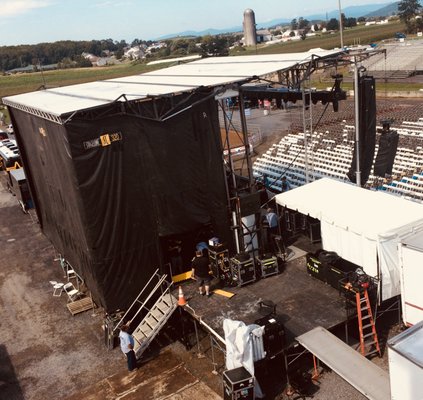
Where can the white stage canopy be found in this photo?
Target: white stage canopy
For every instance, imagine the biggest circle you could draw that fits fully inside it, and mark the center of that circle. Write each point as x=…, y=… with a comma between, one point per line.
x=207, y=72
x=361, y=225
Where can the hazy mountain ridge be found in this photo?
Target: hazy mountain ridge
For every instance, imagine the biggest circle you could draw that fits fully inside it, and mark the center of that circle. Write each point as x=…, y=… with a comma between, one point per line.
x=366, y=10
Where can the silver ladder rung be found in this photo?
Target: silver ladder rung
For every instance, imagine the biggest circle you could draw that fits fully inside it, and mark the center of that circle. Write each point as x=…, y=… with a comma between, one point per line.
x=146, y=330
x=150, y=320
x=157, y=313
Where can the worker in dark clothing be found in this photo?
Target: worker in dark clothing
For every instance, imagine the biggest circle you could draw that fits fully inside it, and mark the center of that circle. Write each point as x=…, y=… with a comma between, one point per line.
x=200, y=272
x=176, y=261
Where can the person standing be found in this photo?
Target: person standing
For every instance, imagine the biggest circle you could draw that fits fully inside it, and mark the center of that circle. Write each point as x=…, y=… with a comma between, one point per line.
x=175, y=251
x=127, y=347
x=273, y=229
x=200, y=272
x=272, y=220
x=285, y=184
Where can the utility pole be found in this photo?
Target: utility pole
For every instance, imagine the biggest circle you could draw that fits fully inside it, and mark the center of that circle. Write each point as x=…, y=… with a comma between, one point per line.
x=340, y=24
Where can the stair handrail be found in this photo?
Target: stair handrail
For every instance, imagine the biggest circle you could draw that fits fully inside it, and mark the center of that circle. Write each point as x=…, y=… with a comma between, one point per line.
x=139, y=295
x=144, y=344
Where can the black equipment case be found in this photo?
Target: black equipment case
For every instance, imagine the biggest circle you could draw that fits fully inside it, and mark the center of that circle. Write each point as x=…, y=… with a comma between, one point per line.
x=238, y=384
x=243, y=269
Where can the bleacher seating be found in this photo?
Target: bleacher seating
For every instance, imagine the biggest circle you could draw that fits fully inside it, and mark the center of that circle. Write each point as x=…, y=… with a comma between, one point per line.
x=330, y=152
x=401, y=61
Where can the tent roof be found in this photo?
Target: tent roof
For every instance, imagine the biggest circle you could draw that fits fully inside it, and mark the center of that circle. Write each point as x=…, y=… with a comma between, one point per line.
x=415, y=241
x=373, y=214
x=208, y=72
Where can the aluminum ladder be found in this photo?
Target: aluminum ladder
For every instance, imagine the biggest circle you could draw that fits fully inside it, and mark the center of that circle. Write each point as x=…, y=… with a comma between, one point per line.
x=369, y=343
x=156, y=315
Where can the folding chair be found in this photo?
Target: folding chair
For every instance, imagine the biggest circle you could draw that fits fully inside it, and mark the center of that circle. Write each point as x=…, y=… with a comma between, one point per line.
x=71, y=291
x=57, y=288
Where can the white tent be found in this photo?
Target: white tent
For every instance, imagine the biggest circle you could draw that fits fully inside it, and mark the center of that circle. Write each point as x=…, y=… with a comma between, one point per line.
x=362, y=226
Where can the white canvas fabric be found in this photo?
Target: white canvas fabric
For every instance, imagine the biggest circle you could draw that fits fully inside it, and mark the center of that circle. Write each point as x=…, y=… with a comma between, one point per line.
x=362, y=226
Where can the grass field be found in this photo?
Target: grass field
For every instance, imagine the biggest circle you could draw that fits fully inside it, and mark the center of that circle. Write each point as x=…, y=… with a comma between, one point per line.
x=22, y=83
x=358, y=35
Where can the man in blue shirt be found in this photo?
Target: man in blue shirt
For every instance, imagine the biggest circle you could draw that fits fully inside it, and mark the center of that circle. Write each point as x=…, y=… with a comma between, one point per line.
x=272, y=220
x=127, y=347
x=285, y=184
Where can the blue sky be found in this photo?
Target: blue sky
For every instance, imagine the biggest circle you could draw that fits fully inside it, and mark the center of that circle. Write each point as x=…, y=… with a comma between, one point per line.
x=35, y=21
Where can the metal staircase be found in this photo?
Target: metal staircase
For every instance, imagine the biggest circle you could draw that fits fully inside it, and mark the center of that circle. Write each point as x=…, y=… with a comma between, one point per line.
x=157, y=306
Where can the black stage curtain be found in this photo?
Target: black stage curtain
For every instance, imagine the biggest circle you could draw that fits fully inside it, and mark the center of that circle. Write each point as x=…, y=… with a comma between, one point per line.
x=367, y=129
x=388, y=144
x=107, y=189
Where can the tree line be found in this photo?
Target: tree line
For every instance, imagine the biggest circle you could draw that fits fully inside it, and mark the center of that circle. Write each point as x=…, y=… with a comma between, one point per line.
x=53, y=53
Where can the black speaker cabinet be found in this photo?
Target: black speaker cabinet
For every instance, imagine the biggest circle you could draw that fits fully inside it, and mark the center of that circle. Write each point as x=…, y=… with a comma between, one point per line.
x=249, y=203
x=273, y=337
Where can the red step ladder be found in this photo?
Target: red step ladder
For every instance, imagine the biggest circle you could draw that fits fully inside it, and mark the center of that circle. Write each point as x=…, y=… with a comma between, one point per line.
x=369, y=343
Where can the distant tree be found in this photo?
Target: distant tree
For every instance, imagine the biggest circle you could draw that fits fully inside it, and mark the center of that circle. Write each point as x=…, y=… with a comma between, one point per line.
x=119, y=54
x=415, y=25
x=214, y=46
x=408, y=9
x=294, y=24
x=350, y=22
x=192, y=48
x=316, y=27
x=332, y=25
x=303, y=23
x=82, y=62
x=135, y=42
x=361, y=19
x=292, y=34
x=163, y=52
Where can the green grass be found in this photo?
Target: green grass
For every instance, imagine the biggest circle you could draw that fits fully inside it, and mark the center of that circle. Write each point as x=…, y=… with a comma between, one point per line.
x=380, y=86
x=358, y=35
x=23, y=83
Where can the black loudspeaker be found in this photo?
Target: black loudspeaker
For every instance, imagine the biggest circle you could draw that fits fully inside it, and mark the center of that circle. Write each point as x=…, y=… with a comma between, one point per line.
x=273, y=337
x=388, y=144
x=249, y=203
x=367, y=129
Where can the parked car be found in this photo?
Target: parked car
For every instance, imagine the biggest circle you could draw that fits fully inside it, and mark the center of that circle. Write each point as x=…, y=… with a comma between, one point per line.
x=400, y=35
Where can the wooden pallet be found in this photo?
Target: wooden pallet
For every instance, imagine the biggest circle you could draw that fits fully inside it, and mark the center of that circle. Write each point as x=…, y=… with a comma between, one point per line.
x=81, y=305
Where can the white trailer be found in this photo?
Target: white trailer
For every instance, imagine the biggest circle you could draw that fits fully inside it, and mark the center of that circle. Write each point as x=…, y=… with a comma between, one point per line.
x=411, y=262
x=405, y=353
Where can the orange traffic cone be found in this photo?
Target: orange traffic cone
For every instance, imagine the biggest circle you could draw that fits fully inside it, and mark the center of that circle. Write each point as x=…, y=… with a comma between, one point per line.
x=181, y=300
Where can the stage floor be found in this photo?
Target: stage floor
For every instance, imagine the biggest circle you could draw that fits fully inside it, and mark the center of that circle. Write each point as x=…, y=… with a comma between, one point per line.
x=302, y=302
